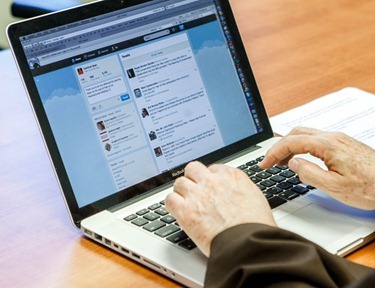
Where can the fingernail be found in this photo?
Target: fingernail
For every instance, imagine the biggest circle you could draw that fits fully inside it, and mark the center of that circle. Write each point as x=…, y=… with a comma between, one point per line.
x=261, y=163
x=293, y=164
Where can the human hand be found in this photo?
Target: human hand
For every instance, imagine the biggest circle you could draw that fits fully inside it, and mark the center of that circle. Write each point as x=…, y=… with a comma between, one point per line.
x=208, y=200
x=351, y=164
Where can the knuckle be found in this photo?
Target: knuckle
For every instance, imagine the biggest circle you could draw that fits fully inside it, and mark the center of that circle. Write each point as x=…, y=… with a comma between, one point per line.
x=189, y=166
x=336, y=136
x=178, y=181
x=215, y=167
x=297, y=130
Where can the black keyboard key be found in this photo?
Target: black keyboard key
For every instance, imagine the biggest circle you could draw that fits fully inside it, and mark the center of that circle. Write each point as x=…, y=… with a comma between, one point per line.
x=294, y=180
x=273, y=170
x=187, y=244
x=255, y=179
x=177, y=237
x=261, y=187
x=300, y=189
x=139, y=221
x=256, y=168
x=260, y=158
x=168, y=219
x=268, y=183
x=282, y=167
x=130, y=217
x=310, y=187
x=249, y=172
x=153, y=226
x=267, y=194
x=284, y=185
x=162, y=202
x=276, y=201
x=154, y=206
x=275, y=190
x=277, y=178
x=242, y=167
x=161, y=211
x=142, y=212
x=287, y=173
x=168, y=230
x=251, y=163
x=288, y=195
x=264, y=175
x=151, y=216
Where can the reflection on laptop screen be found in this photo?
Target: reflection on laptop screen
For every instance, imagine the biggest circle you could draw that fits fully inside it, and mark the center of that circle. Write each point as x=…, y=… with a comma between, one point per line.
x=137, y=92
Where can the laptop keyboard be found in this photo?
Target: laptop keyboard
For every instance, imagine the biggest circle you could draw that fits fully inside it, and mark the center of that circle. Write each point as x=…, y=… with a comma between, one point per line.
x=279, y=185
x=157, y=220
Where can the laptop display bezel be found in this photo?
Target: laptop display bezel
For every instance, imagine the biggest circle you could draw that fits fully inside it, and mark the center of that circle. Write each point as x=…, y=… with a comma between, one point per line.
x=17, y=30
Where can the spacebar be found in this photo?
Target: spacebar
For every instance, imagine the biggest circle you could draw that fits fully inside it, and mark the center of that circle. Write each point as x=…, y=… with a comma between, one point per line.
x=275, y=201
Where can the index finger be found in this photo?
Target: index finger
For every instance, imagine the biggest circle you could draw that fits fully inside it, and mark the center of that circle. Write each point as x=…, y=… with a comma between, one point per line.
x=304, y=130
x=291, y=145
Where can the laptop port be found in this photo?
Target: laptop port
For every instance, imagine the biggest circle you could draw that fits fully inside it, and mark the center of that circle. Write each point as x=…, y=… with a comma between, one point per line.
x=136, y=256
x=108, y=242
x=88, y=232
x=98, y=237
x=152, y=264
x=125, y=250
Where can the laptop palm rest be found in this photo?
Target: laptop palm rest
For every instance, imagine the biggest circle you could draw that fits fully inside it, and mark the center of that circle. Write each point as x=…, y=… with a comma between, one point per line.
x=306, y=220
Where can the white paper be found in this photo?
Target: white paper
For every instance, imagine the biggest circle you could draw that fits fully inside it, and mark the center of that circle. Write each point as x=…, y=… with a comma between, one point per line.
x=349, y=110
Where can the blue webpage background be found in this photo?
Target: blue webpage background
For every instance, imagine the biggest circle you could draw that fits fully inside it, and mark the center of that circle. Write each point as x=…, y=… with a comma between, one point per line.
x=76, y=134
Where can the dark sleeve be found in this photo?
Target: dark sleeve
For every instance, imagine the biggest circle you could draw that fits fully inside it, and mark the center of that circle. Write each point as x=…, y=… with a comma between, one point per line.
x=256, y=255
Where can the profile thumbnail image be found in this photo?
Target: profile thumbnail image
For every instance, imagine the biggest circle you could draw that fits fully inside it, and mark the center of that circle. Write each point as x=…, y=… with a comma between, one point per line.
x=131, y=73
x=100, y=125
x=137, y=93
x=144, y=113
x=152, y=135
x=34, y=63
x=158, y=151
x=108, y=147
x=80, y=71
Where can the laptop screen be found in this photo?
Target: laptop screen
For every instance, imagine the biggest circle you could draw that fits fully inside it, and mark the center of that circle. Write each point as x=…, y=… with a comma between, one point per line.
x=127, y=97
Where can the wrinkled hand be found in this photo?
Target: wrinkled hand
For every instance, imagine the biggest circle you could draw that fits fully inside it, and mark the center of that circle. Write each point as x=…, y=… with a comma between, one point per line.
x=207, y=201
x=351, y=164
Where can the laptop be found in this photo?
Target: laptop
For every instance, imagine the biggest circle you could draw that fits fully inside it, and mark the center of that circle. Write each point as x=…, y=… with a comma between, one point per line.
x=126, y=93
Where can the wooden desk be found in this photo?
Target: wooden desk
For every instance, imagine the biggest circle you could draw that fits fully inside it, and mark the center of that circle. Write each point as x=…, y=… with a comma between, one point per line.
x=299, y=50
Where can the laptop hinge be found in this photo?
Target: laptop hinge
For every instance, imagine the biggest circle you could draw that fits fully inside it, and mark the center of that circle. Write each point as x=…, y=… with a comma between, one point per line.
x=239, y=154
x=139, y=197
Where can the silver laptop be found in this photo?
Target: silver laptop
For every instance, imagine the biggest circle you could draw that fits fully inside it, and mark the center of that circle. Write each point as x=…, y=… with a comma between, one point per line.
x=126, y=93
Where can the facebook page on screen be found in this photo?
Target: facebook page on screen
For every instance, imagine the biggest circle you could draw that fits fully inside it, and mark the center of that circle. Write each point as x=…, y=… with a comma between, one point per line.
x=130, y=108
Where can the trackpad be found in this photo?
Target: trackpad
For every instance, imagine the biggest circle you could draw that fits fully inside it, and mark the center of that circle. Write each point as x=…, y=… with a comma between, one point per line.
x=318, y=224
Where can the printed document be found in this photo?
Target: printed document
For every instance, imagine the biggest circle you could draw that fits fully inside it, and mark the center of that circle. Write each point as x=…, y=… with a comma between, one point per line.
x=349, y=110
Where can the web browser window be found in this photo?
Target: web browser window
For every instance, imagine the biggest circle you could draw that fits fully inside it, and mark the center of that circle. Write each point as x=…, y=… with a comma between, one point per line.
x=135, y=93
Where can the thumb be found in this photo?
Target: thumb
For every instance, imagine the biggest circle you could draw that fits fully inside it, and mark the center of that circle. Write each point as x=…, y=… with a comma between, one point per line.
x=310, y=173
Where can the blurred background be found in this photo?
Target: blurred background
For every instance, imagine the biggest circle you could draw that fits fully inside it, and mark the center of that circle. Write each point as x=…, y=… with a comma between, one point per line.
x=5, y=19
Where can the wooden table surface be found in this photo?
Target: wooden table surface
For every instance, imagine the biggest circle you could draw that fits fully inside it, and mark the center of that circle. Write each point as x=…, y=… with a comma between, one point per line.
x=299, y=50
